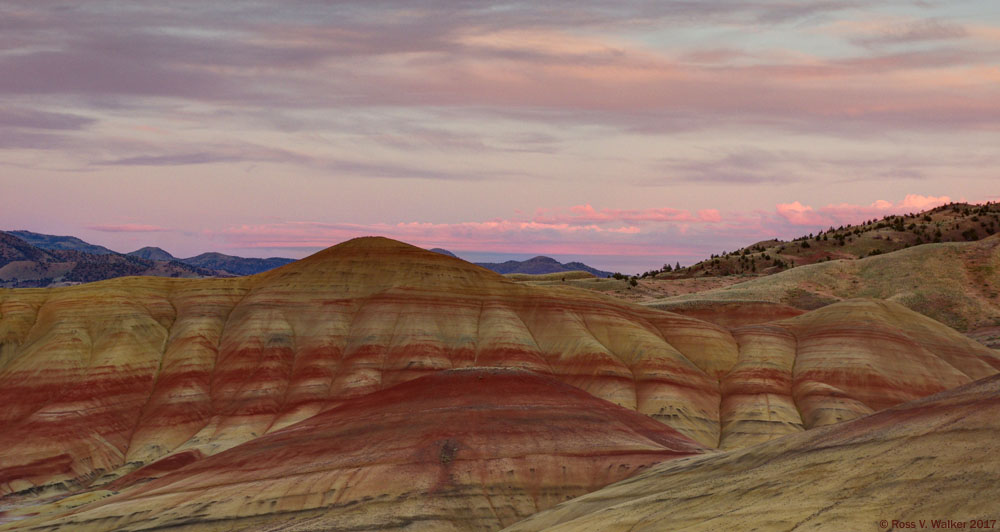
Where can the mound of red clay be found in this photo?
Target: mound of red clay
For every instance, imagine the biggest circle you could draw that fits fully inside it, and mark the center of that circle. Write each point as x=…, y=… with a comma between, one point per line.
x=472, y=449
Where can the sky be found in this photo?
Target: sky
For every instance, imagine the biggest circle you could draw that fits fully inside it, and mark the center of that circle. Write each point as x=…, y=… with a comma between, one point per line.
x=623, y=134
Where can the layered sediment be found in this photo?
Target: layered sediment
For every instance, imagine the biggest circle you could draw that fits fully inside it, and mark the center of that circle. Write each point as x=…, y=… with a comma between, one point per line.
x=913, y=466
x=99, y=380
x=473, y=449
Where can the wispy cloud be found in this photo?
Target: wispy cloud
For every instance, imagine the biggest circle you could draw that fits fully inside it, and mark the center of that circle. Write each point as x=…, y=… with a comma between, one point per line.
x=35, y=119
x=337, y=167
x=438, y=55
x=128, y=228
x=745, y=166
x=588, y=215
x=912, y=31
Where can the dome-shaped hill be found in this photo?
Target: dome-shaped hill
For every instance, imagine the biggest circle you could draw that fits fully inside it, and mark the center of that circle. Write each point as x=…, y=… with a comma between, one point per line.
x=473, y=449
x=362, y=266
x=152, y=253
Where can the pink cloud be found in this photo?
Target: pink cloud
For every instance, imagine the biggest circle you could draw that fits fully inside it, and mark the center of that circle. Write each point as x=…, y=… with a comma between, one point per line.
x=709, y=215
x=586, y=214
x=556, y=69
x=918, y=202
x=800, y=214
x=128, y=228
x=846, y=213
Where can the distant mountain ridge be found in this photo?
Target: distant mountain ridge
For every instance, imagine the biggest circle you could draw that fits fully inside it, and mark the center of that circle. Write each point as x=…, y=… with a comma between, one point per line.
x=211, y=260
x=29, y=260
x=235, y=265
x=216, y=261
x=540, y=265
x=23, y=265
x=54, y=242
x=534, y=266
x=443, y=252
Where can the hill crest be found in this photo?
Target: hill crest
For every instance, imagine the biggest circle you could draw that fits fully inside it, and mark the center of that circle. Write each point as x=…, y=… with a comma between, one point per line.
x=954, y=222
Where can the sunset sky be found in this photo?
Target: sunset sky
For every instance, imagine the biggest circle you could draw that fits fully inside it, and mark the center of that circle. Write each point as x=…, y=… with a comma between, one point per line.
x=624, y=136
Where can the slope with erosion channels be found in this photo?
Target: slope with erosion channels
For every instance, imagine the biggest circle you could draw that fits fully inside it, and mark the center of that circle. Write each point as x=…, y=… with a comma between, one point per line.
x=956, y=283
x=472, y=449
x=936, y=458
x=100, y=379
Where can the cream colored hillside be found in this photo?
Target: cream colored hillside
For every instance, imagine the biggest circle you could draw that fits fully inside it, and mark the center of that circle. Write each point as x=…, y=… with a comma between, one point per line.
x=933, y=459
x=955, y=283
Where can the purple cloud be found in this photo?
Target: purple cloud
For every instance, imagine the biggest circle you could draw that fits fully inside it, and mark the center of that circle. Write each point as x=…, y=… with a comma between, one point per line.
x=35, y=119
x=360, y=55
x=334, y=166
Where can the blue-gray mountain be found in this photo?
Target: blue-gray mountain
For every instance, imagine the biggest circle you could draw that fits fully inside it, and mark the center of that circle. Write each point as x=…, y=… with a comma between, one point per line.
x=535, y=266
x=29, y=259
x=216, y=261
x=23, y=265
x=56, y=243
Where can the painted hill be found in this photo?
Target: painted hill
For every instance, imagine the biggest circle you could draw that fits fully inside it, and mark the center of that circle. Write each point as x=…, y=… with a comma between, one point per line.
x=101, y=379
x=955, y=283
x=936, y=458
x=540, y=265
x=473, y=449
x=551, y=278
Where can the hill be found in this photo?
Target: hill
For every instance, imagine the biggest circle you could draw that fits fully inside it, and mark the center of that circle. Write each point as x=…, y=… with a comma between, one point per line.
x=24, y=265
x=955, y=222
x=59, y=260
x=14, y=249
x=181, y=369
x=909, y=464
x=535, y=266
x=443, y=252
x=152, y=253
x=955, y=283
x=478, y=448
x=550, y=277
x=61, y=243
x=235, y=265
x=540, y=265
